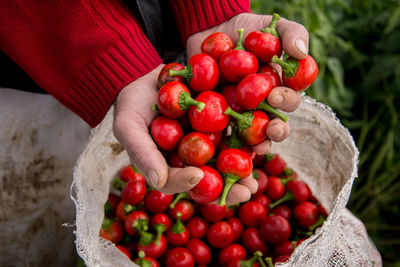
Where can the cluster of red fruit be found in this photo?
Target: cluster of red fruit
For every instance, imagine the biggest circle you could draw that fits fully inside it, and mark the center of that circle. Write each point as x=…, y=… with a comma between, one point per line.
x=193, y=131
x=156, y=229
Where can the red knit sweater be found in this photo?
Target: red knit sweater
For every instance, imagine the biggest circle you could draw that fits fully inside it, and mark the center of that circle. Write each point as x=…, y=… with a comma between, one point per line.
x=84, y=52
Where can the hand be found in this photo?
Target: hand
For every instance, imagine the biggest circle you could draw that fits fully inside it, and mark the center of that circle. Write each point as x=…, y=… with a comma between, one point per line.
x=133, y=116
x=294, y=39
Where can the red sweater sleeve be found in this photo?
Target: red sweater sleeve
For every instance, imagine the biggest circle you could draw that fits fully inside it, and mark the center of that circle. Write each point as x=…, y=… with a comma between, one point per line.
x=81, y=52
x=197, y=15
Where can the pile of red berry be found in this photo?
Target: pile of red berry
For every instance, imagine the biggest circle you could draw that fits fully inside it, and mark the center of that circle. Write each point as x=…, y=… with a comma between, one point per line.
x=164, y=230
x=212, y=112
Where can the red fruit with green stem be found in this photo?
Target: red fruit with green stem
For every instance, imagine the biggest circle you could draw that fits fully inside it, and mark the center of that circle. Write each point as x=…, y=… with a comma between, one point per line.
x=160, y=218
x=229, y=92
x=178, y=234
x=271, y=73
x=124, y=209
x=296, y=191
x=231, y=253
x=196, y=149
x=112, y=230
x=136, y=216
x=212, y=212
x=215, y=138
x=179, y=257
x=262, y=180
x=111, y=205
x=220, y=234
x=252, y=125
x=163, y=76
x=144, y=261
x=274, y=164
x=275, y=229
x=200, y=251
x=263, y=200
x=276, y=187
x=133, y=192
x=283, y=211
x=265, y=44
x=217, y=44
x=153, y=246
x=157, y=202
x=252, y=90
x=306, y=214
x=166, y=133
x=174, y=160
x=201, y=72
x=174, y=99
x=184, y=207
x=124, y=250
x=209, y=188
x=130, y=173
x=237, y=63
x=197, y=227
x=252, y=262
x=212, y=118
x=234, y=164
x=286, y=247
x=252, y=241
x=237, y=228
x=298, y=74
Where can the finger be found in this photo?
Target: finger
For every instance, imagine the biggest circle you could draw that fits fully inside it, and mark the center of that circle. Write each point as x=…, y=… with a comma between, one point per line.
x=250, y=183
x=277, y=130
x=238, y=193
x=263, y=148
x=181, y=179
x=294, y=38
x=284, y=98
x=135, y=138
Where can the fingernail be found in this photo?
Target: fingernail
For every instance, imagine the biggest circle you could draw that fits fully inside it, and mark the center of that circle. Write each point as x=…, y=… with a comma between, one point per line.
x=153, y=179
x=301, y=46
x=195, y=180
x=276, y=100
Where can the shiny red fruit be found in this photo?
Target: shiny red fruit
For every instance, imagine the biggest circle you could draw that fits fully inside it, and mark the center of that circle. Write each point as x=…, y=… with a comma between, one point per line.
x=252, y=90
x=179, y=257
x=166, y=133
x=275, y=229
x=209, y=188
x=231, y=253
x=196, y=149
x=217, y=44
x=164, y=77
x=220, y=234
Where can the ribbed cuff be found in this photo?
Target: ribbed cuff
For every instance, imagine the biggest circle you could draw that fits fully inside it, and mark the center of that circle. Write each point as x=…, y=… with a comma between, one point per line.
x=193, y=16
x=93, y=94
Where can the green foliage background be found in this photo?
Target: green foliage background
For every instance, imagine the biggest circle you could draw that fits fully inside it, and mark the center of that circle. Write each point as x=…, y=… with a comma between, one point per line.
x=356, y=44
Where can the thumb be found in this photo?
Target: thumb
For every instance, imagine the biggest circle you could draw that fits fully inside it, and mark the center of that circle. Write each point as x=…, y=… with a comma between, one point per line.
x=142, y=150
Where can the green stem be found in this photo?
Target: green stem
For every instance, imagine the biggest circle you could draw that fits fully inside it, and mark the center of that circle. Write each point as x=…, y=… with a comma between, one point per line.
x=229, y=180
x=269, y=157
x=186, y=73
x=288, y=172
x=244, y=120
x=107, y=222
x=317, y=224
x=294, y=244
x=185, y=101
x=108, y=209
x=154, y=107
x=269, y=262
x=160, y=229
x=211, y=161
x=250, y=262
x=267, y=107
x=145, y=237
x=255, y=174
x=233, y=140
x=289, y=66
x=118, y=184
x=179, y=196
x=239, y=45
x=142, y=261
x=272, y=26
x=287, y=197
x=286, y=180
x=261, y=262
x=178, y=226
x=128, y=208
